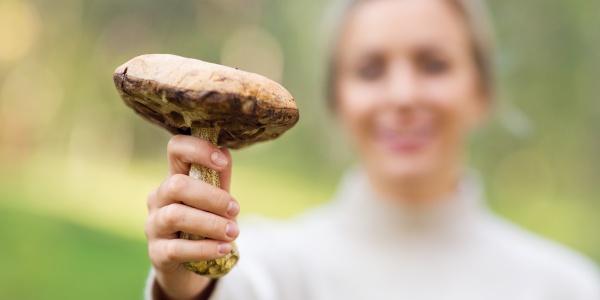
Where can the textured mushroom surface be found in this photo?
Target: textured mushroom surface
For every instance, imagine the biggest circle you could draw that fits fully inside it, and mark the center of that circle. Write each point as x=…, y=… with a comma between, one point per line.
x=178, y=93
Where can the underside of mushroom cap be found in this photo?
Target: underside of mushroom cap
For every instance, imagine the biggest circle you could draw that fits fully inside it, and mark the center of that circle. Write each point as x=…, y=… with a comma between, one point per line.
x=179, y=93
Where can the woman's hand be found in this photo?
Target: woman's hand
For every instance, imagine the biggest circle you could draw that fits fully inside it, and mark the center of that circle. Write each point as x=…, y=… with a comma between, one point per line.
x=182, y=203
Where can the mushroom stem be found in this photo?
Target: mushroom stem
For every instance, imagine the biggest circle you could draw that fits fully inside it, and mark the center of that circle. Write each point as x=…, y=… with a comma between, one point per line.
x=201, y=172
x=213, y=268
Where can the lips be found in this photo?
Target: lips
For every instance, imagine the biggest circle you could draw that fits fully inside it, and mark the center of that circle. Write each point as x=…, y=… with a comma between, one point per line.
x=407, y=140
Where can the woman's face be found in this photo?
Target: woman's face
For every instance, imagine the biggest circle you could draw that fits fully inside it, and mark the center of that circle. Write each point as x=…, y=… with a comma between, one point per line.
x=407, y=86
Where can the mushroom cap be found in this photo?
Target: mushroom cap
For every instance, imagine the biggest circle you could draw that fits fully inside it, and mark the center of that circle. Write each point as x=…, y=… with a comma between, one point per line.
x=178, y=93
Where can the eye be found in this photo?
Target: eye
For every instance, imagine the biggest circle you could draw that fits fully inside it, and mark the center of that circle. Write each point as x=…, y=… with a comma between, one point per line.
x=432, y=65
x=371, y=70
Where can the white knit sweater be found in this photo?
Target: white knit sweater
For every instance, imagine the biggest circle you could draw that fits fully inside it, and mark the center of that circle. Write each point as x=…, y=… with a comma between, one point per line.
x=360, y=246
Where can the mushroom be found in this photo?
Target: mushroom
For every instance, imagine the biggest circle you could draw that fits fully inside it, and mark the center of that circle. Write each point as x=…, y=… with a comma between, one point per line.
x=223, y=105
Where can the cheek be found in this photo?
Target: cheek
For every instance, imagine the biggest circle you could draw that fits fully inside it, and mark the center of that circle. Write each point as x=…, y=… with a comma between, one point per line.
x=355, y=99
x=353, y=104
x=356, y=125
x=455, y=102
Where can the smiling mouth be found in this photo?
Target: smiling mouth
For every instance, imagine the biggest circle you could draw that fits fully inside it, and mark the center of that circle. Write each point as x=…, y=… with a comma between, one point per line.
x=408, y=140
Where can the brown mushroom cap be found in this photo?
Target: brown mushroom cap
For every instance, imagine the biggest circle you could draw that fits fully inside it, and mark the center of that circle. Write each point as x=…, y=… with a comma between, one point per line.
x=178, y=93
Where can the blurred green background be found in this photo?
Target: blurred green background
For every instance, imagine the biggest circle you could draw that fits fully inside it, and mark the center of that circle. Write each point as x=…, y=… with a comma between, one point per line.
x=76, y=164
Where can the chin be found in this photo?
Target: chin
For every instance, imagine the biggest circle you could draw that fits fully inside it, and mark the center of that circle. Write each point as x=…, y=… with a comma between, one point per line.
x=410, y=170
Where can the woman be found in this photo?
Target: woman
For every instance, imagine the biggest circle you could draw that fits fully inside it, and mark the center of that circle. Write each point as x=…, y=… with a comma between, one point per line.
x=410, y=79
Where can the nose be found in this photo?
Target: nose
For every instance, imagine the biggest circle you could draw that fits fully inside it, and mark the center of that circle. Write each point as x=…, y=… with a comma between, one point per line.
x=402, y=89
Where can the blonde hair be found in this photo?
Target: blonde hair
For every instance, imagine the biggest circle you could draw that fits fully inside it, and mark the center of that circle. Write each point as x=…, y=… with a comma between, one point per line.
x=474, y=13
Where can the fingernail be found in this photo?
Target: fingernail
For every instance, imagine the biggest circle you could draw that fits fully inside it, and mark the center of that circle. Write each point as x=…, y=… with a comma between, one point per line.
x=231, y=230
x=224, y=248
x=218, y=159
x=233, y=209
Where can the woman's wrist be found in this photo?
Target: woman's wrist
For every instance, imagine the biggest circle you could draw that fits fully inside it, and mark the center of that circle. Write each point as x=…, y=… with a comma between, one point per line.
x=180, y=285
x=158, y=293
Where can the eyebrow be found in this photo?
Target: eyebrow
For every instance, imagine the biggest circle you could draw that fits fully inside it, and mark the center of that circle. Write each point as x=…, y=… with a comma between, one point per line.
x=430, y=46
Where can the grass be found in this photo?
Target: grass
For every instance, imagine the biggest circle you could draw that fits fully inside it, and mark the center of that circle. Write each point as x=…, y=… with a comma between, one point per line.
x=49, y=258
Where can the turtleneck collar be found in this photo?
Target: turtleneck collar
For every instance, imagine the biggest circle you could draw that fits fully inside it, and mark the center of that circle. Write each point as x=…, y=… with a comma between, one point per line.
x=369, y=215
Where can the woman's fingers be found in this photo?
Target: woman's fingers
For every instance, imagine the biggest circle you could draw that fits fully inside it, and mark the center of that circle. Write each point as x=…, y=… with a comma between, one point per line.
x=195, y=193
x=164, y=253
x=173, y=218
x=184, y=150
x=226, y=175
x=185, y=204
x=166, y=249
